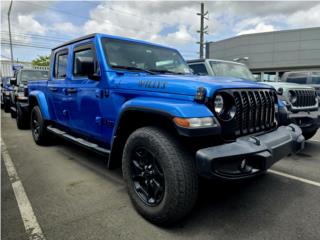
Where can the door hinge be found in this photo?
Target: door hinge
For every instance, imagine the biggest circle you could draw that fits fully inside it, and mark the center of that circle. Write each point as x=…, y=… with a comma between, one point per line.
x=100, y=93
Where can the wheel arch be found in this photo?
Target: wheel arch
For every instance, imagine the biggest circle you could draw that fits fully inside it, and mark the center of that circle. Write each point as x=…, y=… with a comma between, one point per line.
x=37, y=98
x=131, y=119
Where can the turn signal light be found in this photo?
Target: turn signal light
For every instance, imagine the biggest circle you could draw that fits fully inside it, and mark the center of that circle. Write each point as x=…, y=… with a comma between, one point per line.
x=194, y=122
x=182, y=122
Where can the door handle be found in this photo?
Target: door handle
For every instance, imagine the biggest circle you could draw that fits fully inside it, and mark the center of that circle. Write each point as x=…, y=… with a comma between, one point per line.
x=72, y=90
x=53, y=89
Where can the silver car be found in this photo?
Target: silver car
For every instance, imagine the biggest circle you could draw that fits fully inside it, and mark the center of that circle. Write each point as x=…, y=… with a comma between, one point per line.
x=301, y=101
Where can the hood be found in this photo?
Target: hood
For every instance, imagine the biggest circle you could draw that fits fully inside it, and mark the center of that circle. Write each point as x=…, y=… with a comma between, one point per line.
x=286, y=85
x=183, y=84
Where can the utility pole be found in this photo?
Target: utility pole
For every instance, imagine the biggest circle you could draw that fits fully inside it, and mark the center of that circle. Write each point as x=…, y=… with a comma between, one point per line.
x=203, y=29
x=9, y=12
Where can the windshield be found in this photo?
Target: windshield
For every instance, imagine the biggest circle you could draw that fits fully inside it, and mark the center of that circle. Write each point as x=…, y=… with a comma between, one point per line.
x=135, y=56
x=30, y=75
x=226, y=69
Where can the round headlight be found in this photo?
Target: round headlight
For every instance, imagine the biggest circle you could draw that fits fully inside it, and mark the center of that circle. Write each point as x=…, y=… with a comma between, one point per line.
x=292, y=96
x=218, y=104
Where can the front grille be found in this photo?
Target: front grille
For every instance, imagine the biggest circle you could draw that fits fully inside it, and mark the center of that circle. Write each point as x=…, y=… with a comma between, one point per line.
x=255, y=112
x=305, y=98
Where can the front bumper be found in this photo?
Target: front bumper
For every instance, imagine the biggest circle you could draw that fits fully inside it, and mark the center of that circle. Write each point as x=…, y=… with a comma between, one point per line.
x=249, y=156
x=307, y=121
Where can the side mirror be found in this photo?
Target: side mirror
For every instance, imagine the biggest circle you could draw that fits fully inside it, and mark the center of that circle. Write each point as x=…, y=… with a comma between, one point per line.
x=85, y=67
x=13, y=81
x=280, y=91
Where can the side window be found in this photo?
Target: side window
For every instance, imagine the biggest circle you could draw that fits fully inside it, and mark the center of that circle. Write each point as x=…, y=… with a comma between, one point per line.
x=315, y=78
x=300, y=78
x=199, y=69
x=84, y=61
x=61, y=65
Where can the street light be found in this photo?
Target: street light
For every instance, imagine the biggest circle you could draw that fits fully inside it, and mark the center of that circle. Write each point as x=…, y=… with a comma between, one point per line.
x=9, y=12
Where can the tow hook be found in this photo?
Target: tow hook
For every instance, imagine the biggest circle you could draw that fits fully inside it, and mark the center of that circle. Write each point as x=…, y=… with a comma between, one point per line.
x=255, y=140
x=244, y=167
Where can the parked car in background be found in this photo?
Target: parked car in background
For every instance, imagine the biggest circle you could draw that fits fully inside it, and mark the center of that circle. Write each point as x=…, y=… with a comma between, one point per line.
x=311, y=77
x=6, y=90
x=20, y=80
x=301, y=101
x=138, y=103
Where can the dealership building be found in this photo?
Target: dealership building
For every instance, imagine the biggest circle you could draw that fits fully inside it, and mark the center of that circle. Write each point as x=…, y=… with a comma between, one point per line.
x=270, y=54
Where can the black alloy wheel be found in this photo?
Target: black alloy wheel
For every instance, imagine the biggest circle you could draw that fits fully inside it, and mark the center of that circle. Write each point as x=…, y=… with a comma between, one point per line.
x=160, y=175
x=147, y=176
x=39, y=127
x=35, y=125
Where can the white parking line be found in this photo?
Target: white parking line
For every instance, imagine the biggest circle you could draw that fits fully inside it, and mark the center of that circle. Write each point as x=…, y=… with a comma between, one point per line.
x=312, y=140
x=295, y=178
x=30, y=222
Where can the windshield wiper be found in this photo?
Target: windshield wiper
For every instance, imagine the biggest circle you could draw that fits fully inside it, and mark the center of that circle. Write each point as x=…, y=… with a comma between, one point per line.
x=134, y=68
x=164, y=71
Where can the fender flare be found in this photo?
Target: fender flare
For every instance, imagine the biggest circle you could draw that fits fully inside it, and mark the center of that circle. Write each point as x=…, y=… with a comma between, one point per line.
x=42, y=103
x=156, y=106
x=171, y=108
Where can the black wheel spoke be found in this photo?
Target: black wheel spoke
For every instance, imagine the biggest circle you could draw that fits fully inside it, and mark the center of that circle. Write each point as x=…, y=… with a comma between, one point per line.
x=147, y=176
x=144, y=192
x=157, y=170
x=138, y=177
x=157, y=188
x=137, y=165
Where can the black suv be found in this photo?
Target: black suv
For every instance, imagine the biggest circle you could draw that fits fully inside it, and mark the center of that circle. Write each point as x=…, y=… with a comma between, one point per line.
x=18, y=95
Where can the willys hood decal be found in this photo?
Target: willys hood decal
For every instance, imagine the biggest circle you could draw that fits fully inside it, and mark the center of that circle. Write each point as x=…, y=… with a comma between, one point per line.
x=183, y=84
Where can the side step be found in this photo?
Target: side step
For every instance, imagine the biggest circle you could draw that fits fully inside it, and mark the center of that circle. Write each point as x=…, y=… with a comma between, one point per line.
x=79, y=141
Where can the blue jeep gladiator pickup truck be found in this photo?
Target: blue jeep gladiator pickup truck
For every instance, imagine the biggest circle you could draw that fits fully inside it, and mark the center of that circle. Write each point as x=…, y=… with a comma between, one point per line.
x=139, y=104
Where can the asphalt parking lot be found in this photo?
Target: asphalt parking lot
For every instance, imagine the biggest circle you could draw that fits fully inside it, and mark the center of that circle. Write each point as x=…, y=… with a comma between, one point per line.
x=74, y=196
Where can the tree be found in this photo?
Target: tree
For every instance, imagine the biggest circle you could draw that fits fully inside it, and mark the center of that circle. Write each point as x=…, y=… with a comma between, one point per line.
x=41, y=61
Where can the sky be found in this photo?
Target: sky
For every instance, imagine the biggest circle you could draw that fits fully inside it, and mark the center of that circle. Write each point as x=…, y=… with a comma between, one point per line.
x=37, y=26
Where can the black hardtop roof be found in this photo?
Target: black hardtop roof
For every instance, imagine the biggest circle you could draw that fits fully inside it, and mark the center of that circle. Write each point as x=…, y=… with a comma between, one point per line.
x=196, y=60
x=92, y=35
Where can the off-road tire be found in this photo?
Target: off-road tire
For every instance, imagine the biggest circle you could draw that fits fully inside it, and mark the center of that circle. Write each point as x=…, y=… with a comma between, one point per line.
x=6, y=107
x=309, y=135
x=22, y=121
x=180, y=177
x=42, y=137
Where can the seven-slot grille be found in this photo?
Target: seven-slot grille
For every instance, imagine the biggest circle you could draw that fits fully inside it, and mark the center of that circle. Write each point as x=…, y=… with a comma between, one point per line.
x=305, y=98
x=255, y=112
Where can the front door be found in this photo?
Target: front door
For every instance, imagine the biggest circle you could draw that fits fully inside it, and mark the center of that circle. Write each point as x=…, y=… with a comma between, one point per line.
x=57, y=86
x=84, y=94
